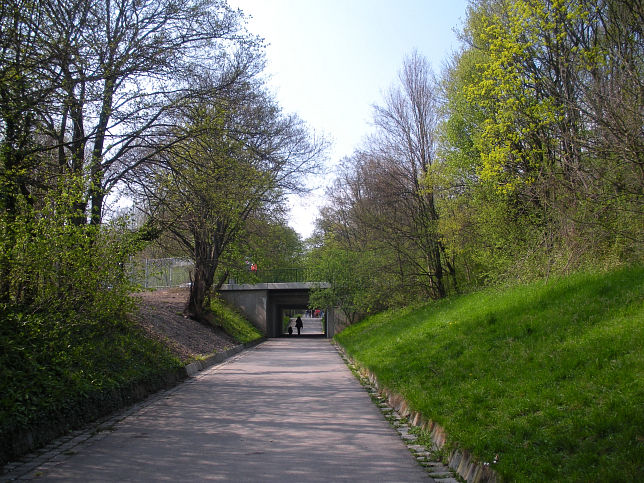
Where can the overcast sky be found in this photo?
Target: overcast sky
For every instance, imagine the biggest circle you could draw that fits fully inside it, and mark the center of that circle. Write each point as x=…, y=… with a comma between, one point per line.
x=329, y=61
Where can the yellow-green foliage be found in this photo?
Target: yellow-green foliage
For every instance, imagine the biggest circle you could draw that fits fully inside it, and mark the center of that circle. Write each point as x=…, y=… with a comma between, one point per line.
x=509, y=91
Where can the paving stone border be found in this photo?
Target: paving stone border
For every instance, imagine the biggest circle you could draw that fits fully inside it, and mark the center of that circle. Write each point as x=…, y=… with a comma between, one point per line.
x=460, y=466
x=30, y=466
x=218, y=357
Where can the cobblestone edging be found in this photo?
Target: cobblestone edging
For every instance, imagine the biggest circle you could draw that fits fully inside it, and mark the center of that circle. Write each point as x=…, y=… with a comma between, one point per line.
x=461, y=465
x=32, y=465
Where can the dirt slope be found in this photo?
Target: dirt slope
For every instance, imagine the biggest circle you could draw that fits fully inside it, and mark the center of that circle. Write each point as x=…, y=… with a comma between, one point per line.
x=160, y=315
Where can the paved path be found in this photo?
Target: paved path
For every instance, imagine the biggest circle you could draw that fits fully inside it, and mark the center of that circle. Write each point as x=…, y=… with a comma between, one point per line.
x=286, y=410
x=311, y=326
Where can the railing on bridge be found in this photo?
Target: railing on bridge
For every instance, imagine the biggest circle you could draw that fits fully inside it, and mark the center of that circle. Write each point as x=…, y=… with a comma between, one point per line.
x=275, y=275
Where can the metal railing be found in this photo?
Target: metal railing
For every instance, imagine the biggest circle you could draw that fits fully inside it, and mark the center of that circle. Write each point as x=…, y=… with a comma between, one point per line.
x=176, y=272
x=274, y=275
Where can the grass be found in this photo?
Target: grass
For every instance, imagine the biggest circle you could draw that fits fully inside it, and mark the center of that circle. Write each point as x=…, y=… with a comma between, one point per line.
x=233, y=323
x=548, y=376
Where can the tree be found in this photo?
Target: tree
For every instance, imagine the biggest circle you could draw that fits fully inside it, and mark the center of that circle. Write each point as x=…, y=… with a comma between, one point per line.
x=541, y=193
x=272, y=244
x=87, y=89
x=19, y=94
x=22, y=94
x=237, y=158
x=111, y=72
x=405, y=151
x=385, y=199
x=352, y=286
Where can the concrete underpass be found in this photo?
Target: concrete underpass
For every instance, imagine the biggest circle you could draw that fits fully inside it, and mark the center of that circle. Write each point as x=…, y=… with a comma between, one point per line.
x=265, y=304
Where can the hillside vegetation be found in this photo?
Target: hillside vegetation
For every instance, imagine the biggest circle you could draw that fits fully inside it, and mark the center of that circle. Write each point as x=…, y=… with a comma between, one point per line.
x=548, y=376
x=60, y=372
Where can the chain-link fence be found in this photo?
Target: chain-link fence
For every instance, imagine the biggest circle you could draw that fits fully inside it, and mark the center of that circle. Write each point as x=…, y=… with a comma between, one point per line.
x=175, y=272
x=162, y=272
x=273, y=275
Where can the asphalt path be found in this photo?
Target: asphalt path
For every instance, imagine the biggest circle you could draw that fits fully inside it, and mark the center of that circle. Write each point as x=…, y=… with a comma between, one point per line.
x=285, y=410
x=310, y=326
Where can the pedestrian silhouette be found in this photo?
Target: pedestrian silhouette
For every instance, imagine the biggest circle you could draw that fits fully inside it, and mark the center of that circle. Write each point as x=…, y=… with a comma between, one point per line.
x=298, y=324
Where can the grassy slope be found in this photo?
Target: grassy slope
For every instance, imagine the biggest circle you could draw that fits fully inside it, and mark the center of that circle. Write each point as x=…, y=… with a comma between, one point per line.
x=233, y=323
x=55, y=368
x=549, y=376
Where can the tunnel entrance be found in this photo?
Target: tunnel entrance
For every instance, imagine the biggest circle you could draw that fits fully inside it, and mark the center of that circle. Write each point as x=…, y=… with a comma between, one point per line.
x=313, y=324
x=285, y=306
x=271, y=306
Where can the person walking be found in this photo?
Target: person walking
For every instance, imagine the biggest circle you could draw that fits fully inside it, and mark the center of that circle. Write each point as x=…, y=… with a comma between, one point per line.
x=298, y=324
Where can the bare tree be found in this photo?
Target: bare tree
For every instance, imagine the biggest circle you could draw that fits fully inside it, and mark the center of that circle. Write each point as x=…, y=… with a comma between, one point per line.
x=121, y=67
x=401, y=157
x=382, y=206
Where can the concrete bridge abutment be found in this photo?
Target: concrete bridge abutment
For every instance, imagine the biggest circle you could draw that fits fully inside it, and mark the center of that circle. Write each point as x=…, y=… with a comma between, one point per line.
x=263, y=304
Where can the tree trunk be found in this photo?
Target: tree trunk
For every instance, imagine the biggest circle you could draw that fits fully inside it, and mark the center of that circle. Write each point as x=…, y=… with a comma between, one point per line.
x=206, y=262
x=194, y=308
x=97, y=193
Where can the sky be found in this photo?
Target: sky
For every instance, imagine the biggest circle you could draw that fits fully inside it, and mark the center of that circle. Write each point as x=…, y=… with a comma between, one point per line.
x=330, y=61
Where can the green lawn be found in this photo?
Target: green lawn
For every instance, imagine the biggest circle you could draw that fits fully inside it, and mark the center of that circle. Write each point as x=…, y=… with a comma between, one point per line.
x=549, y=376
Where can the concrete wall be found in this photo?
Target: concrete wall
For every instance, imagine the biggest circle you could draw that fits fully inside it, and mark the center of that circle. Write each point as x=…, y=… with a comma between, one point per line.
x=263, y=303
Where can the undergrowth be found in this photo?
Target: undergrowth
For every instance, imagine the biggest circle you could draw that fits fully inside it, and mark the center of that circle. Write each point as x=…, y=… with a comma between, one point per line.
x=548, y=376
x=61, y=370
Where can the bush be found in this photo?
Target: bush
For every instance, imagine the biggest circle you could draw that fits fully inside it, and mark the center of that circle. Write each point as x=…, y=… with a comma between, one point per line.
x=53, y=265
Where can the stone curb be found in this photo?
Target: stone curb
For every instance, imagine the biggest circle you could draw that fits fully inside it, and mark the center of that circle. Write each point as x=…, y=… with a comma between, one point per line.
x=198, y=366
x=30, y=466
x=460, y=462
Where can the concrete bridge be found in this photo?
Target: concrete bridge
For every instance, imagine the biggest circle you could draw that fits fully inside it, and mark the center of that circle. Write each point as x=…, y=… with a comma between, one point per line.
x=264, y=304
